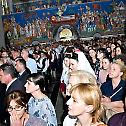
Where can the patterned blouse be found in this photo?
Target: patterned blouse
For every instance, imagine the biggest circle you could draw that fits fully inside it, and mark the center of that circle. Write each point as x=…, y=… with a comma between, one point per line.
x=43, y=108
x=33, y=121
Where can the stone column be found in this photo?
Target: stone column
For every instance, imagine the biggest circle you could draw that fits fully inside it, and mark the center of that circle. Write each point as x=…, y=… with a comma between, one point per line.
x=2, y=40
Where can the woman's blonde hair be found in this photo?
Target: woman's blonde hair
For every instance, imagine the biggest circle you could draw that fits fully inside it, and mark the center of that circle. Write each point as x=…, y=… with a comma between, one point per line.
x=91, y=95
x=83, y=76
x=122, y=68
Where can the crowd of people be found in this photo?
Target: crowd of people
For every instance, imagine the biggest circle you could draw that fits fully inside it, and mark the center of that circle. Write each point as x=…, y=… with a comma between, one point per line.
x=92, y=84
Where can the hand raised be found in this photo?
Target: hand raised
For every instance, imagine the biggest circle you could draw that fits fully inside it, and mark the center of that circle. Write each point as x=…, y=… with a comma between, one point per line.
x=15, y=120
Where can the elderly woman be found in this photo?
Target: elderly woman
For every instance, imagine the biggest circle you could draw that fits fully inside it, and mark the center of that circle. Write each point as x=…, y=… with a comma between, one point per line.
x=113, y=91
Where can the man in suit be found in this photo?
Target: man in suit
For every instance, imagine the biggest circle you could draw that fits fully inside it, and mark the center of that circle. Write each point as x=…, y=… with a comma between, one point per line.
x=24, y=72
x=8, y=75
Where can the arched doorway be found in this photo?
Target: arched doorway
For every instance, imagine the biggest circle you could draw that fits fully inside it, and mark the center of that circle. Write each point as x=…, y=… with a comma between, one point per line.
x=66, y=32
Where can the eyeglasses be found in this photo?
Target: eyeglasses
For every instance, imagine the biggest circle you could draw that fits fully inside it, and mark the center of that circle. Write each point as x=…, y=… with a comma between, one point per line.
x=17, y=108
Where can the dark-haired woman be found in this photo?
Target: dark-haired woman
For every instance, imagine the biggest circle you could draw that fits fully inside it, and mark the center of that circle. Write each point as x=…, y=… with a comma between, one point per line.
x=17, y=108
x=101, y=53
x=103, y=73
x=39, y=104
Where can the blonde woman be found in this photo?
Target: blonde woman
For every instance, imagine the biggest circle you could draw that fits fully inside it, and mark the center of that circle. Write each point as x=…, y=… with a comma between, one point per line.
x=79, y=76
x=85, y=105
x=75, y=77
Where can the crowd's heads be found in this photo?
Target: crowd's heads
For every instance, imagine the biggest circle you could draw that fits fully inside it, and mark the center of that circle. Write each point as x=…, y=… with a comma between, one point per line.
x=4, y=54
x=113, y=45
x=15, y=53
x=36, y=54
x=121, y=57
x=43, y=53
x=101, y=53
x=78, y=45
x=69, y=49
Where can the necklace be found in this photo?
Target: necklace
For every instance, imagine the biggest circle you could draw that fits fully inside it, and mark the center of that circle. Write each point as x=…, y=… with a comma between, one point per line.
x=78, y=124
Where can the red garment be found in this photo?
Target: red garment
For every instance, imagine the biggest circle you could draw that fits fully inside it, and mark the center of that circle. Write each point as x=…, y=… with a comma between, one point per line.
x=62, y=87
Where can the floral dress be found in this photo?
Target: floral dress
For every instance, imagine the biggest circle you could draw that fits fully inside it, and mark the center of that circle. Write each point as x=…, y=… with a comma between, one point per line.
x=33, y=121
x=43, y=108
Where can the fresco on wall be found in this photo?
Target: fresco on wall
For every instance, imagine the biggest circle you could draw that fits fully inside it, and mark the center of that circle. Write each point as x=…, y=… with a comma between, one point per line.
x=105, y=18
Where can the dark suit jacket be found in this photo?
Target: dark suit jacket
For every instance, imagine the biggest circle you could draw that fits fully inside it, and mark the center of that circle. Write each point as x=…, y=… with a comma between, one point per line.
x=16, y=85
x=24, y=76
x=2, y=101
